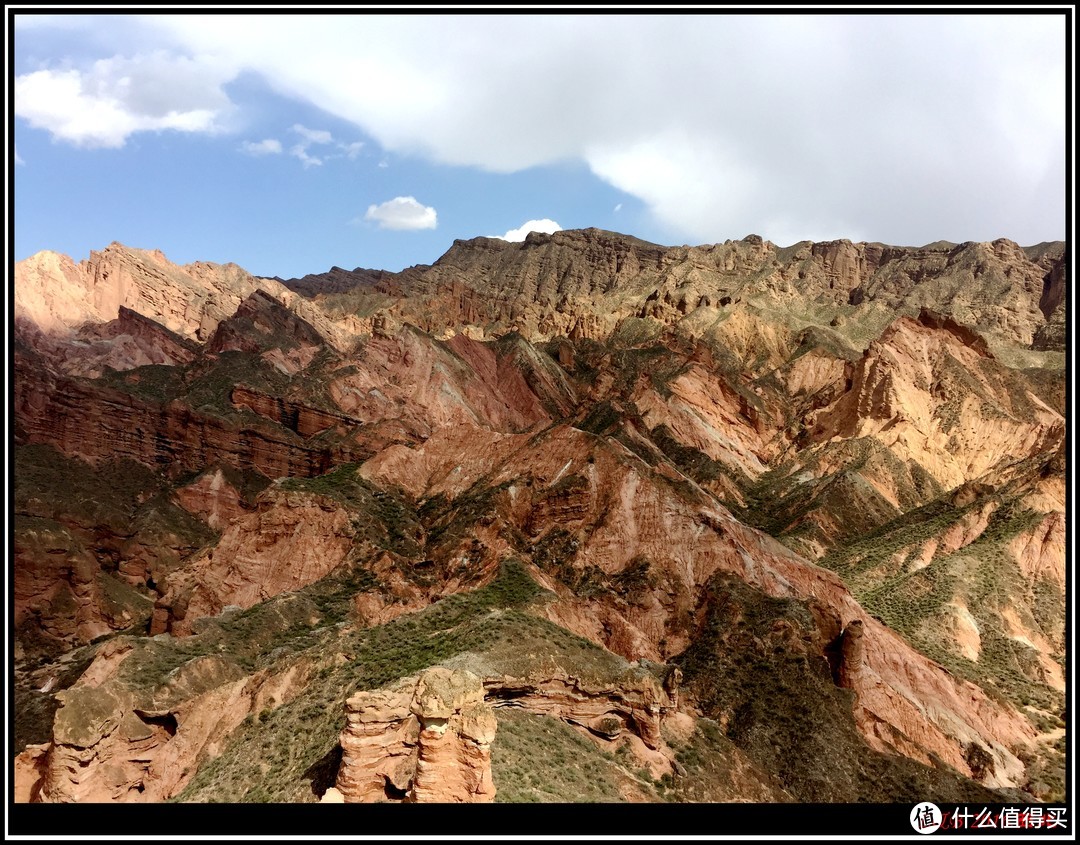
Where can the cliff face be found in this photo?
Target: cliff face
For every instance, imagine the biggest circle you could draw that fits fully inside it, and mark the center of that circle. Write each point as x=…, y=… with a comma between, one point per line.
x=840, y=463
x=426, y=740
x=60, y=297
x=117, y=739
x=189, y=301
x=96, y=421
x=584, y=282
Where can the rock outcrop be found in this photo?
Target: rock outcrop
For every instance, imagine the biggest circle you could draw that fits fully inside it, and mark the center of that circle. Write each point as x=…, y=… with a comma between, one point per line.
x=664, y=440
x=89, y=543
x=584, y=282
x=426, y=739
x=62, y=596
x=59, y=296
x=96, y=422
x=187, y=300
x=129, y=341
x=295, y=416
x=636, y=703
x=292, y=539
x=117, y=742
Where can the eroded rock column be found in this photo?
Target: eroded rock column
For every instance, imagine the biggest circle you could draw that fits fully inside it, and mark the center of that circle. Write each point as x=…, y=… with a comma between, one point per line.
x=852, y=654
x=427, y=739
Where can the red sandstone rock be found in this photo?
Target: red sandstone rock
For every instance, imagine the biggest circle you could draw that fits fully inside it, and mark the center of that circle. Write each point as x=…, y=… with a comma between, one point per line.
x=95, y=422
x=687, y=538
x=292, y=539
x=927, y=394
x=426, y=739
x=213, y=498
x=114, y=743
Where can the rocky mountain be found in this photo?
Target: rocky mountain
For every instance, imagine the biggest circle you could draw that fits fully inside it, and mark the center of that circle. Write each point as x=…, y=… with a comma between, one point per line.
x=578, y=518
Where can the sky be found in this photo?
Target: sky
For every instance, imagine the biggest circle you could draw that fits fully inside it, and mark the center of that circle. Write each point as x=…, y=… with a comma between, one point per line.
x=292, y=143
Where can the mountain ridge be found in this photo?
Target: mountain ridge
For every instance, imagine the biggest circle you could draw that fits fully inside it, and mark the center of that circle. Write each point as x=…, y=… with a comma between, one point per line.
x=660, y=441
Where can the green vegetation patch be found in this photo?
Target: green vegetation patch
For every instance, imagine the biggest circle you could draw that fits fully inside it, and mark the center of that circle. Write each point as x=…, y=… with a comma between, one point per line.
x=51, y=484
x=158, y=383
x=277, y=755
x=210, y=382
x=449, y=522
x=983, y=574
x=636, y=331
x=538, y=759
x=694, y=462
x=383, y=517
x=556, y=552
x=757, y=668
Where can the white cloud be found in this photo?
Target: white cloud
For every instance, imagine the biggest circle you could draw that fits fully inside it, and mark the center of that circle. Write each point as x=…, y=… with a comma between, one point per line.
x=312, y=136
x=18, y=158
x=402, y=213
x=352, y=150
x=738, y=138
x=300, y=151
x=618, y=208
x=712, y=181
x=321, y=136
x=268, y=146
x=116, y=97
x=546, y=226
x=384, y=164
x=920, y=109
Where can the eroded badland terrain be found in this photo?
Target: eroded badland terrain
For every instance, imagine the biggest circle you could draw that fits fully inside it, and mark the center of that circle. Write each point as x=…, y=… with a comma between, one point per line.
x=579, y=518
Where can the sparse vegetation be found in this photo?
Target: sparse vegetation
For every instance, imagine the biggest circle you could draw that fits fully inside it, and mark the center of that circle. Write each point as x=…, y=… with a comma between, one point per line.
x=294, y=736
x=777, y=334
x=540, y=759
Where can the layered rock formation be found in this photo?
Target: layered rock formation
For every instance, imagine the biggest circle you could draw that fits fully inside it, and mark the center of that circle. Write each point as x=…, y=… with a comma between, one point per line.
x=584, y=282
x=636, y=703
x=58, y=296
x=292, y=539
x=116, y=740
x=268, y=479
x=96, y=421
x=427, y=739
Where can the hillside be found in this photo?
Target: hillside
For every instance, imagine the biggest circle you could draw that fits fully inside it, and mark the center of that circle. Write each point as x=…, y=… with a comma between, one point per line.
x=581, y=518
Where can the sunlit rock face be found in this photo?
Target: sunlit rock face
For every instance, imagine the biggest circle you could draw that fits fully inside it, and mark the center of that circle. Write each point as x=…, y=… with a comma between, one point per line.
x=428, y=739
x=241, y=502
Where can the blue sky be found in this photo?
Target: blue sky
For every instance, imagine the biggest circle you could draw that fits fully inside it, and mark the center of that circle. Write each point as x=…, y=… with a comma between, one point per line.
x=291, y=144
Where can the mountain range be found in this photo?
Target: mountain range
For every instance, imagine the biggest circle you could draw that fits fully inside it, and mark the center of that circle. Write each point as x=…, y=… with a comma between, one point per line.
x=581, y=518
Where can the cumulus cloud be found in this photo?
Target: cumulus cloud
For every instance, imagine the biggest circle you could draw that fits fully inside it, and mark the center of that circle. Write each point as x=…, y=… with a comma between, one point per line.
x=402, y=213
x=901, y=128
x=300, y=151
x=116, y=97
x=312, y=136
x=546, y=226
x=323, y=137
x=801, y=126
x=268, y=146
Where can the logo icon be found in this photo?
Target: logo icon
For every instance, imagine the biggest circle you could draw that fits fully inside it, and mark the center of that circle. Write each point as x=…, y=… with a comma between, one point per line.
x=925, y=817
